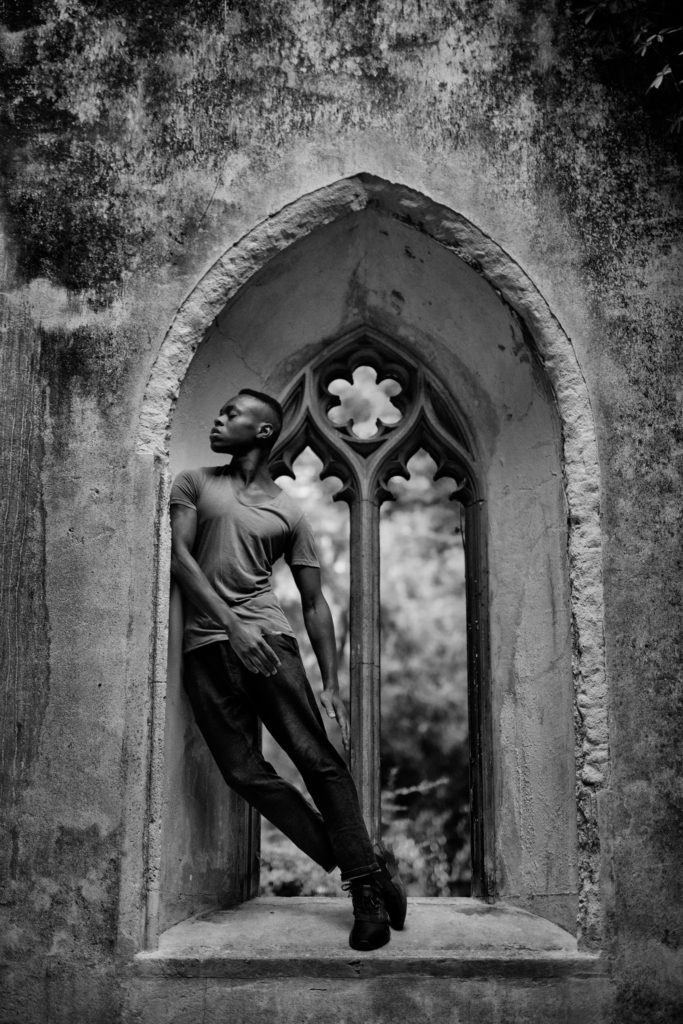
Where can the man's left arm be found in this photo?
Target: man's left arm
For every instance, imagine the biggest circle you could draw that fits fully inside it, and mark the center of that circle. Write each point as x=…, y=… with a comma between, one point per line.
x=320, y=629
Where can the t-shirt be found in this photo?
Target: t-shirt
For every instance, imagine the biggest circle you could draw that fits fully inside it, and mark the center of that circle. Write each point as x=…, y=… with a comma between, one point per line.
x=238, y=539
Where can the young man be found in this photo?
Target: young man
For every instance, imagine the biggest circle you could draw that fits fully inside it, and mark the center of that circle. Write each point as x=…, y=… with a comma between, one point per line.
x=229, y=525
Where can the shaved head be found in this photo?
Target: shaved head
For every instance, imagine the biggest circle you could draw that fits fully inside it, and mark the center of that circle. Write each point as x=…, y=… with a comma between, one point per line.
x=271, y=410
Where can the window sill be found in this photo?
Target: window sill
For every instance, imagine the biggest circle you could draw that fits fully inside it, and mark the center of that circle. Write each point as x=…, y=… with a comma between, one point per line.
x=308, y=936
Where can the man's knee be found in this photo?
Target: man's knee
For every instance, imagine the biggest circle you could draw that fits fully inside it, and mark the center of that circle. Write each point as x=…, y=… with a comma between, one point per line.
x=322, y=762
x=248, y=773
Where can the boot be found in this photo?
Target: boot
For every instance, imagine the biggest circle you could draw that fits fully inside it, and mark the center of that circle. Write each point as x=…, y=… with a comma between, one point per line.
x=391, y=888
x=371, y=922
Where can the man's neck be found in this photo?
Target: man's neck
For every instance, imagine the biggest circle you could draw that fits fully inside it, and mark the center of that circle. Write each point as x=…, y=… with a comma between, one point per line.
x=251, y=469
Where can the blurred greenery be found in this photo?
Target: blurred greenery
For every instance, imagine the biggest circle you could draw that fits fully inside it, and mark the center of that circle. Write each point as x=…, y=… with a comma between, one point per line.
x=424, y=751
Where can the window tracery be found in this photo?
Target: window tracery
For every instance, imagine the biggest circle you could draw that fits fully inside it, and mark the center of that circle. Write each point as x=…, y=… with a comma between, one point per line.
x=365, y=407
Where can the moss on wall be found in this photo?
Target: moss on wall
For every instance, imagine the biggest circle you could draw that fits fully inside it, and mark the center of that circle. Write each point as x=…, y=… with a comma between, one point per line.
x=114, y=110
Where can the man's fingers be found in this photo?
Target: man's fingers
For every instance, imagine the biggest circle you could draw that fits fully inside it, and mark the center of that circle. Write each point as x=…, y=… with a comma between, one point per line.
x=344, y=726
x=260, y=658
x=265, y=659
x=335, y=708
x=268, y=658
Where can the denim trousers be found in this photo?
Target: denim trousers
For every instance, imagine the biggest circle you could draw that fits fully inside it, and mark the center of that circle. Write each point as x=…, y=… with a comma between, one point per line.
x=227, y=699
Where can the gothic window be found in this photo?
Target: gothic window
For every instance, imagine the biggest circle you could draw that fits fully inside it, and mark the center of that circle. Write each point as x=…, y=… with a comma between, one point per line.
x=365, y=409
x=474, y=368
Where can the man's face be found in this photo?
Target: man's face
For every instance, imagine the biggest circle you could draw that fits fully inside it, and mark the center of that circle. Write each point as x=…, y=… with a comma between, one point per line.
x=239, y=426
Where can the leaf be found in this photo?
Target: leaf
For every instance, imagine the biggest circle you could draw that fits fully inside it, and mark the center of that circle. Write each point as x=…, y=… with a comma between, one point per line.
x=659, y=78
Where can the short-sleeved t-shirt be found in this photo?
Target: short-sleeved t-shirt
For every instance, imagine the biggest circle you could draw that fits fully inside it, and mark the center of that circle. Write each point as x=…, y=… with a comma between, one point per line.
x=236, y=545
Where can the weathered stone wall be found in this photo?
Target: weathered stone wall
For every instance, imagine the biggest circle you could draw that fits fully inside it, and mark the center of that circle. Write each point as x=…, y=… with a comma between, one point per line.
x=141, y=141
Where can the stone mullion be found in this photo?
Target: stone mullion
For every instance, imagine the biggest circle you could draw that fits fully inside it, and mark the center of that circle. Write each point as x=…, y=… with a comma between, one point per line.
x=365, y=658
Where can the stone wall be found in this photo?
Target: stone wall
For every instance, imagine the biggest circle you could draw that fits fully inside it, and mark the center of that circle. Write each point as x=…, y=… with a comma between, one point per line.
x=142, y=141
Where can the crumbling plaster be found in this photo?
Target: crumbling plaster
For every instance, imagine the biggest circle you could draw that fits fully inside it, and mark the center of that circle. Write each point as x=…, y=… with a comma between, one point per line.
x=166, y=136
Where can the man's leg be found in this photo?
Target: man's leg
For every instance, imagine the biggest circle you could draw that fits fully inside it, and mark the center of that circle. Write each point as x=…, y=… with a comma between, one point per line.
x=214, y=680
x=226, y=698
x=288, y=708
x=290, y=711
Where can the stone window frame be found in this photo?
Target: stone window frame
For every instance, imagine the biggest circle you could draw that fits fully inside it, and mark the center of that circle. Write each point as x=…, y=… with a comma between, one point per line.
x=581, y=483
x=430, y=421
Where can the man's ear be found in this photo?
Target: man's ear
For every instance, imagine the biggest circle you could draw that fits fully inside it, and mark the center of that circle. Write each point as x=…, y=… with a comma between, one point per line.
x=265, y=430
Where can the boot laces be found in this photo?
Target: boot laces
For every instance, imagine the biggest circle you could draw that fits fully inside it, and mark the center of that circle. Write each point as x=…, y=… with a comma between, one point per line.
x=364, y=895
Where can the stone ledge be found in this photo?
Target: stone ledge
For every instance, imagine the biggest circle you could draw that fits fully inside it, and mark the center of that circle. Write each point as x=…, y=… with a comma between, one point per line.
x=308, y=937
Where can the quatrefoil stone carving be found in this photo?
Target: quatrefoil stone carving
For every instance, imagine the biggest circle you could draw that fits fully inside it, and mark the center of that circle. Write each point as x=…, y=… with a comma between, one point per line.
x=364, y=403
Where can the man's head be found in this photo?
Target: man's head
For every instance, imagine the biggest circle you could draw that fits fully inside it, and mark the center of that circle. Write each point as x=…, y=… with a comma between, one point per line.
x=250, y=420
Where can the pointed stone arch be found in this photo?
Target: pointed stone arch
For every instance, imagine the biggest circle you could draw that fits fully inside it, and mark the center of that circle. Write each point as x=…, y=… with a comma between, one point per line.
x=555, y=353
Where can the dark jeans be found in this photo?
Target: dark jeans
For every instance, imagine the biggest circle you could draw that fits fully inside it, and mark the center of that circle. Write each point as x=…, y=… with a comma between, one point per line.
x=226, y=698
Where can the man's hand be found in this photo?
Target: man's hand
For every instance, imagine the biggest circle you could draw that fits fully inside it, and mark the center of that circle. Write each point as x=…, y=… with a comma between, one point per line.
x=255, y=654
x=335, y=708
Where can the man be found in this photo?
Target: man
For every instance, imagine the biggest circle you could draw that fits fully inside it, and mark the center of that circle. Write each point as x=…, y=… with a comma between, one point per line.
x=229, y=525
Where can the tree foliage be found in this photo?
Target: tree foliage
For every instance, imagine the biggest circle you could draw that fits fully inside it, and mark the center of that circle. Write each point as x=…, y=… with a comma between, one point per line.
x=640, y=44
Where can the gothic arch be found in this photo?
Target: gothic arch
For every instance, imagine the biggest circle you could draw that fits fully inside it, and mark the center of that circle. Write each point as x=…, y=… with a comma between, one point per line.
x=580, y=463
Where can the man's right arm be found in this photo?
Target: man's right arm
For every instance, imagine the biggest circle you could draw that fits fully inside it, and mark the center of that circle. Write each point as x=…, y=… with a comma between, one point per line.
x=247, y=642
